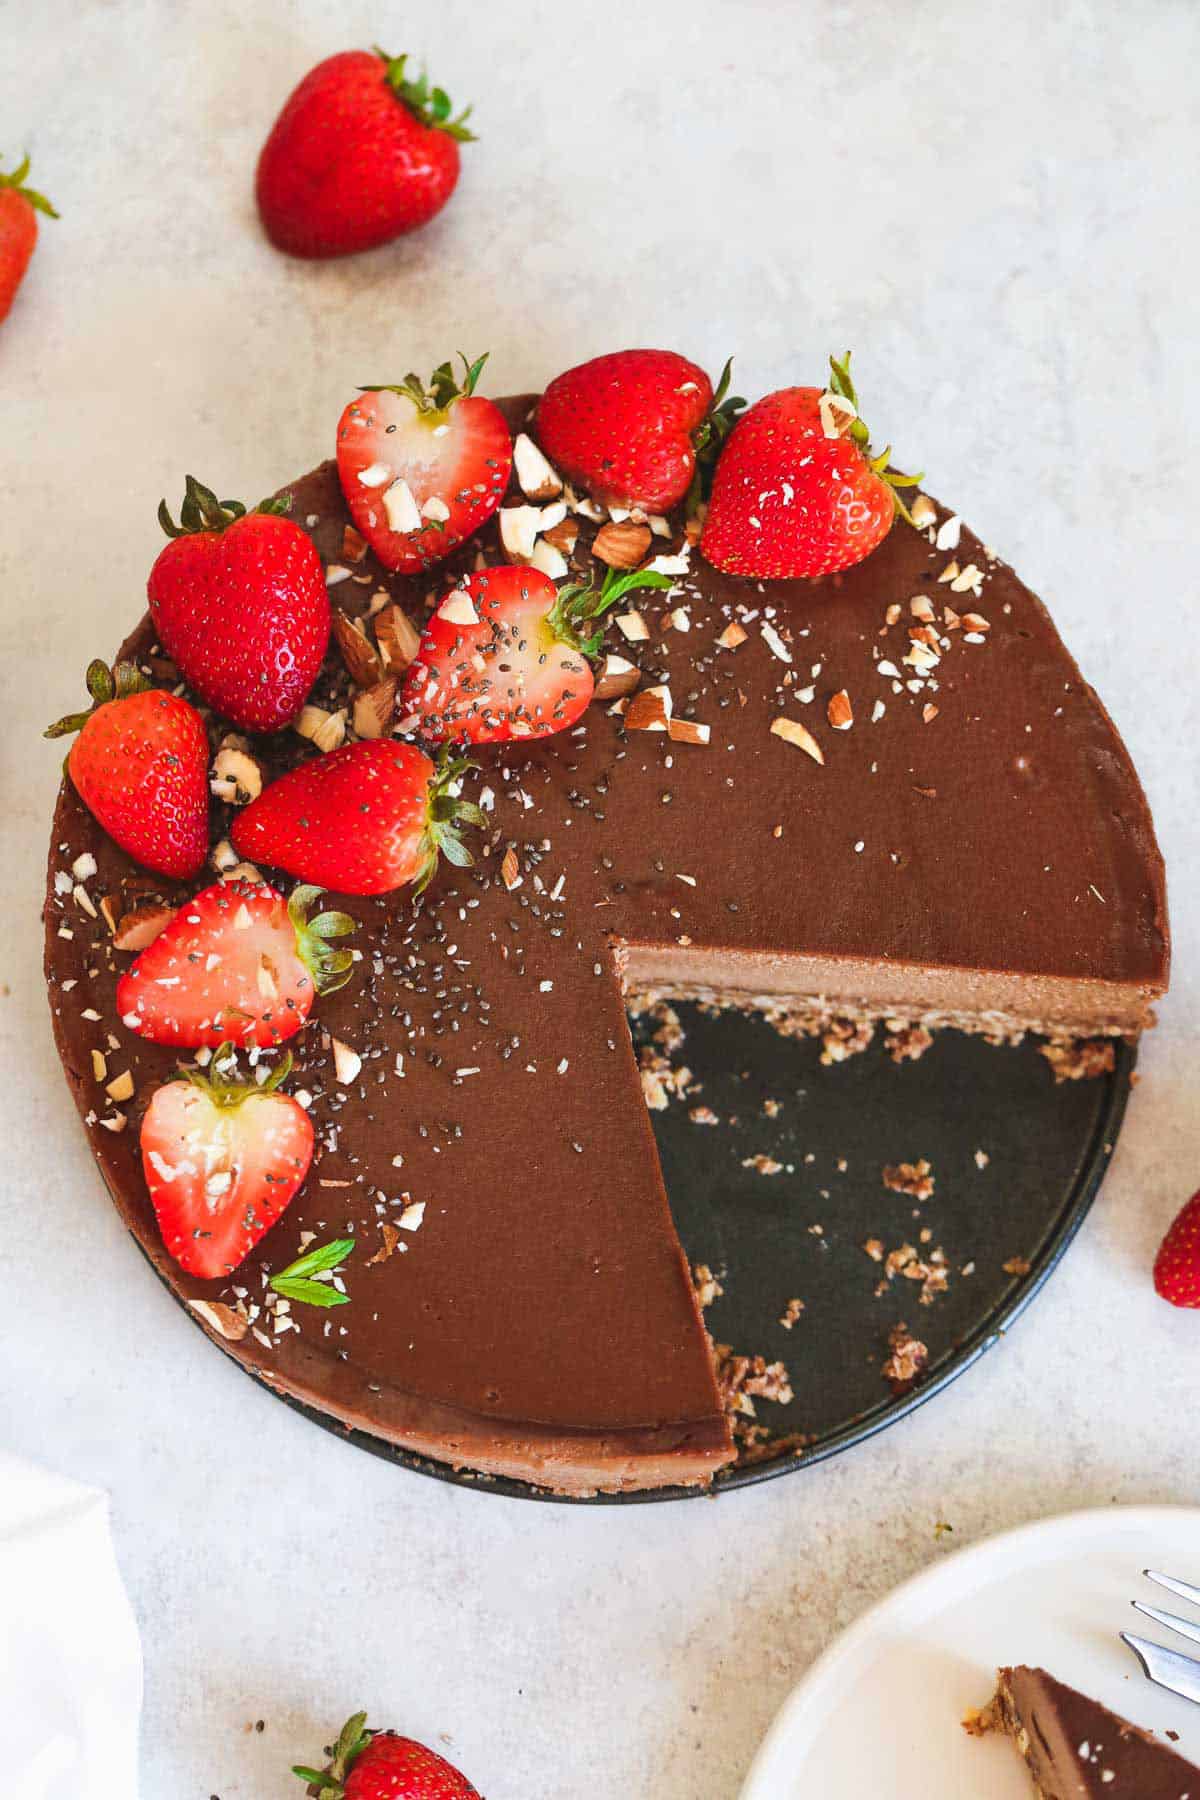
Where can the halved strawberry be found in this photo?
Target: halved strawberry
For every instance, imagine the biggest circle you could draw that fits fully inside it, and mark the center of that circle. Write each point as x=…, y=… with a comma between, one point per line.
x=363, y=820
x=423, y=467
x=222, y=1160
x=140, y=766
x=237, y=964
x=506, y=655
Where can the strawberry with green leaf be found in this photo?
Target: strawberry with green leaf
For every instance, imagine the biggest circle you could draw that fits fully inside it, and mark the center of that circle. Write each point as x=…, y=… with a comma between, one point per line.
x=140, y=766
x=19, y=208
x=240, y=604
x=797, y=491
x=382, y=1765
x=632, y=427
x=222, y=1160
x=239, y=964
x=508, y=655
x=362, y=152
x=423, y=465
x=364, y=819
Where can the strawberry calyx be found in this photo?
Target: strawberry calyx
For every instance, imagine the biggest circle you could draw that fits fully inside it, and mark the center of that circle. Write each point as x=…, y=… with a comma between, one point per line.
x=429, y=104
x=709, y=436
x=580, y=604
x=848, y=423
x=16, y=180
x=446, y=812
x=443, y=387
x=329, y=967
x=329, y=1783
x=103, y=684
x=202, y=511
x=222, y=1086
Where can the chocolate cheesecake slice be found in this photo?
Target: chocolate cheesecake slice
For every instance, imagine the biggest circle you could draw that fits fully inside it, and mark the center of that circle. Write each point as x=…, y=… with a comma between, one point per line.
x=888, y=794
x=1076, y=1749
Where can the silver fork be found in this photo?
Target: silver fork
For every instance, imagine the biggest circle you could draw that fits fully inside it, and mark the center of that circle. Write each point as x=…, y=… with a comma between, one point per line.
x=1169, y=1668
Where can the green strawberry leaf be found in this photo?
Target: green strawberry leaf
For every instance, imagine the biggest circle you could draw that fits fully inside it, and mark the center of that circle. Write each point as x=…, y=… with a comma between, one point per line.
x=308, y=1293
x=317, y=1261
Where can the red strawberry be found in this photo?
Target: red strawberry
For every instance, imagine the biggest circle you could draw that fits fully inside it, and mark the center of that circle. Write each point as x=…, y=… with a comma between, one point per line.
x=380, y=1765
x=1177, y=1265
x=422, y=468
x=222, y=1160
x=363, y=820
x=628, y=426
x=140, y=765
x=19, y=208
x=796, y=491
x=237, y=964
x=506, y=655
x=359, y=155
x=240, y=604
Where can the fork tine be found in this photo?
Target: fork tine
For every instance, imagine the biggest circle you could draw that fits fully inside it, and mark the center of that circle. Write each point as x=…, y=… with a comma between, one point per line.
x=1166, y=1668
x=1182, y=1589
x=1184, y=1627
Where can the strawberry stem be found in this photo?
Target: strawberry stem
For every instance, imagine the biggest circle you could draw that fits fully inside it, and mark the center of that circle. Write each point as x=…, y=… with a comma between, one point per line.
x=329, y=968
x=352, y=1741
x=16, y=180
x=103, y=684
x=202, y=511
x=442, y=389
x=222, y=1085
x=429, y=104
x=579, y=604
x=841, y=384
x=709, y=436
x=446, y=812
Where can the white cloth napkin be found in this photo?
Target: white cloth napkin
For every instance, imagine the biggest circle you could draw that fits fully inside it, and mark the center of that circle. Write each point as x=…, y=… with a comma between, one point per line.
x=70, y=1658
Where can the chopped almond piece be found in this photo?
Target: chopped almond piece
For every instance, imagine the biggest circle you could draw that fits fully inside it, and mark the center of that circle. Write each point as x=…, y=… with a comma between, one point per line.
x=397, y=636
x=140, y=926
x=224, y=1320
x=923, y=512
x=357, y=652
x=617, y=676
x=921, y=608
x=458, y=608
x=973, y=621
x=121, y=1086
x=649, y=711
x=929, y=713
x=536, y=478
x=621, y=546
x=354, y=546
x=688, y=731
x=325, y=730
x=952, y=620
x=375, y=708
x=839, y=711
x=732, y=636
x=633, y=627
x=792, y=732
x=563, y=536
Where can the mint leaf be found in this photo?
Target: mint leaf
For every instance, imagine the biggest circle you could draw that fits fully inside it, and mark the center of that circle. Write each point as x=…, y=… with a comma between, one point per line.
x=311, y=1293
x=314, y=1262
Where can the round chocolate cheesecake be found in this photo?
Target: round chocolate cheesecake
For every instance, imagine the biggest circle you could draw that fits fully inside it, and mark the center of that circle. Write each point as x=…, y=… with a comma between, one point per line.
x=887, y=794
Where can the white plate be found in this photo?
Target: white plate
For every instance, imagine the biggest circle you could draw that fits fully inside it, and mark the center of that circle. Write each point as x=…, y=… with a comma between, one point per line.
x=879, y=1712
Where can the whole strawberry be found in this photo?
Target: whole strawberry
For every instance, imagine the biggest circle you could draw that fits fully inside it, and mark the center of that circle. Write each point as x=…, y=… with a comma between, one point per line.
x=364, y=819
x=240, y=605
x=628, y=427
x=140, y=766
x=360, y=154
x=423, y=467
x=1177, y=1265
x=19, y=208
x=381, y=1765
x=222, y=1160
x=237, y=964
x=507, y=655
x=796, y=490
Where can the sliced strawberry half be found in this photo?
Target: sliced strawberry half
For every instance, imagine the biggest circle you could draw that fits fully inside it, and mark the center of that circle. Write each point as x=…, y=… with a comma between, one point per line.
x=422, y=467
x=507, y=655
x=222, y=1160
x=237, y=963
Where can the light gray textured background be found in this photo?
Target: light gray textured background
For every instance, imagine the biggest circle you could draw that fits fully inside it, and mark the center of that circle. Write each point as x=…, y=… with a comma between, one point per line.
x=995, y=207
